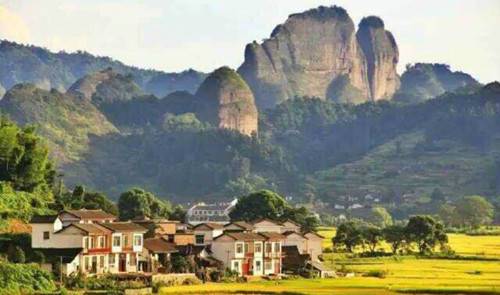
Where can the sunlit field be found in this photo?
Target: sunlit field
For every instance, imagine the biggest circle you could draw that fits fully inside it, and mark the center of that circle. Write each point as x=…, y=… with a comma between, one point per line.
x=406, y=274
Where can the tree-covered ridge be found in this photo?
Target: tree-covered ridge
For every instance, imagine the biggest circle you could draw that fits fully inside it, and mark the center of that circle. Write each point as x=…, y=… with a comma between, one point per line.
x=65, y=121
x=422, y=81
x=31, y=64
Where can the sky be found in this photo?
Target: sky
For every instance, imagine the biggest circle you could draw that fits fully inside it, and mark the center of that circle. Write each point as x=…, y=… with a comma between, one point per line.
x=174, y=35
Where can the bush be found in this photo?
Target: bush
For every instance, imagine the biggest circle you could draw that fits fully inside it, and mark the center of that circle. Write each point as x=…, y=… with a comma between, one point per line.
x=191, y=281
x=37, y=256
x=24, y=279
x=15, y=254
x=376, y=273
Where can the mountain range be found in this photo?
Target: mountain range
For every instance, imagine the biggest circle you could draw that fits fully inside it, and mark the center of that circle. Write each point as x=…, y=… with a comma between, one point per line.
x=316, y=111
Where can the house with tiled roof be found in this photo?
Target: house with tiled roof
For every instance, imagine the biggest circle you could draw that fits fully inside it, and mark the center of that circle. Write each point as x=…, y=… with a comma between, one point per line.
x=242, y=226
x=204, y=233
x=101, y=247
x=249, y=253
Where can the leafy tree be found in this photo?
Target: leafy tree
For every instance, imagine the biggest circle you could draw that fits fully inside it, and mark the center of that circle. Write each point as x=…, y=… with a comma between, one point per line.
x=183, y=122
x=138, y=202
x=448, y=215
x=348, y=235
x=395, y=235
x=474, y=211
x=82, y=199
x=268, y=204
x=15, y=254
x=372, y=236
x=380, y=217
x=178, y=213
x=261, y=204
x=426, y=232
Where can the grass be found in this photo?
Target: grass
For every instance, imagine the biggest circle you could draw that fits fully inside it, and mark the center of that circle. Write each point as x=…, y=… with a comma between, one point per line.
x=406, y=274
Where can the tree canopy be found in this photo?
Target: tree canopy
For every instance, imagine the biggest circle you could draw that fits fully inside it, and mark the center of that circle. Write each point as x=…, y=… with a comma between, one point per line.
x=138, y=202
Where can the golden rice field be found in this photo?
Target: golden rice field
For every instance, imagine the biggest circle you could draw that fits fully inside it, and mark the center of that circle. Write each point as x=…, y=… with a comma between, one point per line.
x=402, y=275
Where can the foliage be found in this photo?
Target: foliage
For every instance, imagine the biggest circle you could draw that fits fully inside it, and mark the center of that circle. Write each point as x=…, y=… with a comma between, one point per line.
x=426, y=232
x=15, y=254
x=474, y=211
x=380, y=217
x=180, y=264
x=138, y=202
x=349, y=235
x=180, y=123
x=268, y=204
x=24, y=278
x=372, y=236
x=395, y=235
x=79, y=198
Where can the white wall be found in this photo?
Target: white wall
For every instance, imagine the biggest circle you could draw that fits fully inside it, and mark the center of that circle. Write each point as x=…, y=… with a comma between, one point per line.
x=65, y=239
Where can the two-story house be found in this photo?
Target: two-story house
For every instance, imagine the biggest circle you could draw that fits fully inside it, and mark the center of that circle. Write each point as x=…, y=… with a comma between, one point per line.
x=88, y=246
x=213, y=213
x=249, y=253
x=204, y=233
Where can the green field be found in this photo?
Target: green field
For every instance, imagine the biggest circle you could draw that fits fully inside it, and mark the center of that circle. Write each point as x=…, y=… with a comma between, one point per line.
x=402, y=274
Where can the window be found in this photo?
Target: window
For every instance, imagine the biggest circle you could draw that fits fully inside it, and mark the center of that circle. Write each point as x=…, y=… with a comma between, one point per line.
x=133, y=260
x=92, y=243
x=87, y=263
x=137, y=240
x=200, y=239
x=239, y=248
x=258, y=266
x=117, y=241
x=125, y=241
x=246, y=248
x=101, y=261
x=268, y=247
x=258, y=248
x=111, y=259
x=46, y=235
x=236, y=266
x=277, y=247
x=102, y=242
x=268, y=265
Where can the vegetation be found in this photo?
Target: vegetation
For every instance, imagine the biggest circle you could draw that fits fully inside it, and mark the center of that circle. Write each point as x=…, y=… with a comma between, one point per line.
x=24, y=279
x=267, y=204
x=138, y=202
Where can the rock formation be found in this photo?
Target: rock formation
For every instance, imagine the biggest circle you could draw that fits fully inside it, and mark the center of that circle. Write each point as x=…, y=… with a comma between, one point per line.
x=381, y=53
x=317, y=54
x=105, y=86
x=226, y=101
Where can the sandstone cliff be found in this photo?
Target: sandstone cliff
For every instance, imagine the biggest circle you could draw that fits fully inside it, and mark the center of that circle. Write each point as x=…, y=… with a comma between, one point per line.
x=105, y=86
x=381, y=53
x=318, y=53
x=226, y=101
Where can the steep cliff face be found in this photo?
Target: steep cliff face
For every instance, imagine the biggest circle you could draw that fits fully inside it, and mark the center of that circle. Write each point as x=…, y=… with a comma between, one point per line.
x=381, y=53
x=226, y=101
x=105, y=86
x=304, y=56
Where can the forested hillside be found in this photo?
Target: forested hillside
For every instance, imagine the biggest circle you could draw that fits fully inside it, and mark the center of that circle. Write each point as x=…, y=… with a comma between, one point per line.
x=21, y=63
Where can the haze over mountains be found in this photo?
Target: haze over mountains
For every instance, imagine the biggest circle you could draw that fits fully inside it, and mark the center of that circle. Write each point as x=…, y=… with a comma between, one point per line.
x=316, y=95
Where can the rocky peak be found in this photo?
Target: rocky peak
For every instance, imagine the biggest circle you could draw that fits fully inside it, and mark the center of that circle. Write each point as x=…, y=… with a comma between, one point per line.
x=304, y=56
x=382, y=56
x=227, y=102
x=105, y=86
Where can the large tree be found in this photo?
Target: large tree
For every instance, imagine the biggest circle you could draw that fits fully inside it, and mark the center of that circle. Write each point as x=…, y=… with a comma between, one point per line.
x=380, y=217
x=474, y=211
x=268, y=204
x=138, y=202
x=395, y=235
x=348, y=235
x=426, y=232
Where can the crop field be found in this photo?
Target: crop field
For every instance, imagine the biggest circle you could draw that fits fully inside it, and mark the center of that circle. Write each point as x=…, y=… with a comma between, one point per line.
x=408, y=274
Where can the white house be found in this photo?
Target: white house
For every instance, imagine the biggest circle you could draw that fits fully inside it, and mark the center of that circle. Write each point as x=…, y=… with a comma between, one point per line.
x=213, y=213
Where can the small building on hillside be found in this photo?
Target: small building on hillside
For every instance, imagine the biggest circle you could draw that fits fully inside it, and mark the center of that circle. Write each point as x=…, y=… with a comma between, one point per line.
x=210, y=213
x=85, y=216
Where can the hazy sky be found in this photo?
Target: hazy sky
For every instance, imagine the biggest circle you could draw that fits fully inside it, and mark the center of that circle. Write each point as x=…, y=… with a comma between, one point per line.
x=173, y=35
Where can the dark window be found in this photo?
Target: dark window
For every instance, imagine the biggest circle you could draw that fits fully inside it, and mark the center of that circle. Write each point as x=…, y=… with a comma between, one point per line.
x=46, y=235
x=200, y=239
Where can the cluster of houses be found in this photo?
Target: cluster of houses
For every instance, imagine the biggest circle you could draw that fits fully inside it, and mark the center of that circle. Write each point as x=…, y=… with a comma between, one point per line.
x=94, y=242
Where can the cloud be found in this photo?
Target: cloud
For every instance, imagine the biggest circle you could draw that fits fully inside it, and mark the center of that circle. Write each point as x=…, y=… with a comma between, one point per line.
x=12, y=27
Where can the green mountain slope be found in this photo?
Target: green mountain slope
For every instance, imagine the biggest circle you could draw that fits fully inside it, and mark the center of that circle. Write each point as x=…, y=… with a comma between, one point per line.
x=46, y=69
x=64, y=120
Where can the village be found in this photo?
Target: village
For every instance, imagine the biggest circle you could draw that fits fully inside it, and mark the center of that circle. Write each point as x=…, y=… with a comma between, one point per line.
x=94, y=242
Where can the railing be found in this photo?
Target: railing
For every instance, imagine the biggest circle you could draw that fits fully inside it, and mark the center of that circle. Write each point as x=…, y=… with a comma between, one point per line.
x=98, y=250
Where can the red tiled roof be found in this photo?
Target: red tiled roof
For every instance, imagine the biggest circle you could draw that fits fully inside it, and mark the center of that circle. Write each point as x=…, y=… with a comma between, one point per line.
x=89, y=228
x=242, y=224
x=159, y=245
x=272, y=236
x=90, y=214
x=43, y=218
x=124, y=227
x=239, y=236
x=210, y=225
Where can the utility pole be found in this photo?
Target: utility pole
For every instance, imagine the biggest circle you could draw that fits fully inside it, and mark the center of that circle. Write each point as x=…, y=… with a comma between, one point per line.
x=60, y=271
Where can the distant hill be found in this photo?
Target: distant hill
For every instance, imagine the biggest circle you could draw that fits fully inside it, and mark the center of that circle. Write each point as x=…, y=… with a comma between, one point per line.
x=64, y=120
x=423, y=81
x=31, y=64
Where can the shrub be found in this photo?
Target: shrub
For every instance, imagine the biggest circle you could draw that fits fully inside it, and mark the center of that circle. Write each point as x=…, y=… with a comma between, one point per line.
x=24, y=279
x=37, y=256
x=15, y=254
x=191, y=281
x=376, y=273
